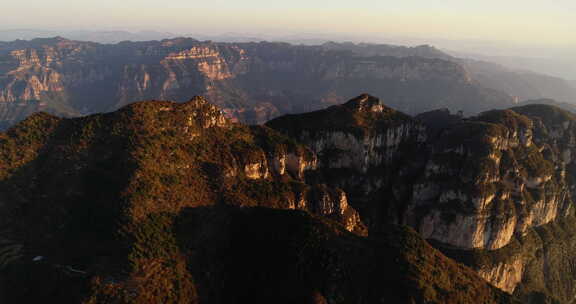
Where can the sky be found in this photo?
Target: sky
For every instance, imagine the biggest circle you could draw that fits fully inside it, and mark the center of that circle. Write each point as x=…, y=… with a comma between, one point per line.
x=544, y=22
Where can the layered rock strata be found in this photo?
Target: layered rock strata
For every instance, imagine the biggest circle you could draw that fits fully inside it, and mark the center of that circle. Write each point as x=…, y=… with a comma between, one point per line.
x=474, y=184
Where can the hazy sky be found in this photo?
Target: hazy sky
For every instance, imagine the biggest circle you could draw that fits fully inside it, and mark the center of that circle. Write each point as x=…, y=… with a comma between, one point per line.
x=524, y=21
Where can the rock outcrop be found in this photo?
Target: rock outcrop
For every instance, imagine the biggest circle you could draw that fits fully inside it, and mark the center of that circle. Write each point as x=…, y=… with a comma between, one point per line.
x=499, y=180
x=479, y=182
x=361, y=147
x=474, y=184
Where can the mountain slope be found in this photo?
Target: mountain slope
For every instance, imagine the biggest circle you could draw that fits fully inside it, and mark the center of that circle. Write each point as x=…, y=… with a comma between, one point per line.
x=170, y=202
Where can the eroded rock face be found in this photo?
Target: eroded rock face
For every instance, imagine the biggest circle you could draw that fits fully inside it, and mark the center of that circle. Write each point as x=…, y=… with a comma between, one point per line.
x=24, y=85
x=333, y=204
x=491, y=174
x=505, y=276
x=474, y=184
x=362, y=152
x=360, y=145
x=478, y=183
x=535, y=267
x=514, y=181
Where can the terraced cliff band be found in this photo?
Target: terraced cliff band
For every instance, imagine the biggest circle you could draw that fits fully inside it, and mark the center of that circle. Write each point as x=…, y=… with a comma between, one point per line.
x=477, y=185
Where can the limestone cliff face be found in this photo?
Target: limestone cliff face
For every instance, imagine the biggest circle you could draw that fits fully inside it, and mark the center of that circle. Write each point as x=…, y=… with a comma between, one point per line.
x=505, y=276
x=268, y=161
x=360, y=145
x=317, y=199
x=196, y=68
x=48, y=66
x=251, y=82
x=359, y=150
x=536, y=267
x=31, y=76
x=501, y=179
x=539, y=264
x=474, y=185
x=262, y=166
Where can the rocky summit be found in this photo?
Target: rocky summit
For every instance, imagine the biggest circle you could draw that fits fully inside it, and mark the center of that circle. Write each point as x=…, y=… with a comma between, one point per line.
x=167, y=202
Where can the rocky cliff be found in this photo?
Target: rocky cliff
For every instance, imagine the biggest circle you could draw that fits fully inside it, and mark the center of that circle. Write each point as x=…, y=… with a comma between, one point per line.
x=474, y=184
x=251, y=82
x=194, y=138
x=173, y=203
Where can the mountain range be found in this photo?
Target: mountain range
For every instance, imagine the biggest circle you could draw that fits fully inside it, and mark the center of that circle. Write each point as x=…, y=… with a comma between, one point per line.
x=275, y=184
x=252, y=82
x=356, y=203
x=102, y=36
x=520, y=83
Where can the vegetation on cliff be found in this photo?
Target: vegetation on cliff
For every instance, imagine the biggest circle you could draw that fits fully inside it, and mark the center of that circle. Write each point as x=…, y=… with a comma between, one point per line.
x=162, y=202
x=173, y=203
x=476, y=184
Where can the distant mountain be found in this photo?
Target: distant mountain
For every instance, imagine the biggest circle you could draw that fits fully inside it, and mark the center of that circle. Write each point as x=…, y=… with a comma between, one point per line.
x=229, y=37
x=557, y=65
x=251, y=82
x=566, y=106
x=113, y=36
x=370, y=50
x=522, y=84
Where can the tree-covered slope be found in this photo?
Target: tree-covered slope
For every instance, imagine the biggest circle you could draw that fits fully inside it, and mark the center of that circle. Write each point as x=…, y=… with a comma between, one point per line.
x=164, y=202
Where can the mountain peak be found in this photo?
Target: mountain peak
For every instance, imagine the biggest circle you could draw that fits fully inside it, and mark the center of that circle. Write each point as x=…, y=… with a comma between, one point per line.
x=365, y=103
x=360, y=116
x=193, y=115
